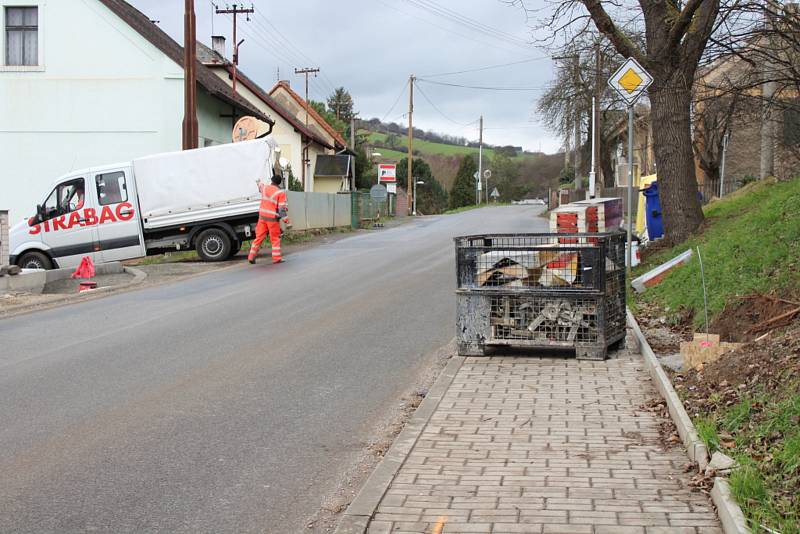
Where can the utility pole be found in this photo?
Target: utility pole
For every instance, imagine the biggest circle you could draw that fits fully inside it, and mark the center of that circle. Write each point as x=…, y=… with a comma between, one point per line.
x=409, y=176
x=598, y=61
x=577, y=125
x=306, y=160
x=480, y=164
x=306, y=72
x=353, y=148
x=190, y=130
x=236, y=10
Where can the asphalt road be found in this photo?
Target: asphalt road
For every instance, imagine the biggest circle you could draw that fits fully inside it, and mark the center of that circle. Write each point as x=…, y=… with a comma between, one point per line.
x=230, y=402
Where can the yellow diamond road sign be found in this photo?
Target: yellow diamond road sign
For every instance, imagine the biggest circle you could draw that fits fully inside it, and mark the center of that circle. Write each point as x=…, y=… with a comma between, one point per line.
x=630, y=81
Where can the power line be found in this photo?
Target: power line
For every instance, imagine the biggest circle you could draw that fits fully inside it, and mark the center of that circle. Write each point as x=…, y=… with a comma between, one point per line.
x=483, y=88
x=402, y=92
x=488, y=67
x=297, y=54
x=471, y=24
x=439, y=110
x=513, y=127
x=449, y=30
x=271, y=49
x=270, y=44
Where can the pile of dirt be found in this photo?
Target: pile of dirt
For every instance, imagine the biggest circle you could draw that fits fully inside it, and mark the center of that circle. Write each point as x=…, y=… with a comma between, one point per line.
x=663, y=333
x=745, y=319
x=764, y=366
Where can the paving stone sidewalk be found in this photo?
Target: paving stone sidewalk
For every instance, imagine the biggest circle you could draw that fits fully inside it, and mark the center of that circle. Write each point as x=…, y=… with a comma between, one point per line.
x=545, y=445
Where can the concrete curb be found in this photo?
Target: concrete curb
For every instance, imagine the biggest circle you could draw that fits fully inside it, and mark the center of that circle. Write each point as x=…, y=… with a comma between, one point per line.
x=695, y=448
x=35, y=281
x=356, y=518
x=138, y=276
x=113, y=268
x=730, y=515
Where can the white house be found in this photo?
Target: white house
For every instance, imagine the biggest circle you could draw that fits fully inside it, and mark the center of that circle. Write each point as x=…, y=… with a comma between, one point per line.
x=288, y=99
x=90, y=82
x=289, y=130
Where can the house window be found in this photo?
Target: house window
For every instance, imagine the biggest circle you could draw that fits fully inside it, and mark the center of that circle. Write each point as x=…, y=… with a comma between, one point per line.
x=22, y=36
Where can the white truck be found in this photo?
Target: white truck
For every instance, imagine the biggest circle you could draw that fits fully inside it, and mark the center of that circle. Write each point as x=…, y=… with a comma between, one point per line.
x=204, y=199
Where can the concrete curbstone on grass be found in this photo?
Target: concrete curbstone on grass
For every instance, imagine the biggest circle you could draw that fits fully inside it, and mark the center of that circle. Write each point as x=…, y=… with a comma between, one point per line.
x=356, y=518
x=695, y=448
x=729, y=512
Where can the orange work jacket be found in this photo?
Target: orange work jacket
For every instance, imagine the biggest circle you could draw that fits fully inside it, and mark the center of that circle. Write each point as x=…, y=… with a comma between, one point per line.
x=273, y=202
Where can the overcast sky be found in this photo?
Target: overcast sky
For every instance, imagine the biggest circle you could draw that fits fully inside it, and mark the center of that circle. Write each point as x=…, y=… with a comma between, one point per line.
x=372, y=46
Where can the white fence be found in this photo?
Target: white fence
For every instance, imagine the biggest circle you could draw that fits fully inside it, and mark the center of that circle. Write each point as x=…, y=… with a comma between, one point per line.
x=319, y=210
x=4, y=252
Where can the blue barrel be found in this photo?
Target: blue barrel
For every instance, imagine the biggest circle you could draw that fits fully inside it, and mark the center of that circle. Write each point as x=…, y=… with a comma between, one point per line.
x=655, y=223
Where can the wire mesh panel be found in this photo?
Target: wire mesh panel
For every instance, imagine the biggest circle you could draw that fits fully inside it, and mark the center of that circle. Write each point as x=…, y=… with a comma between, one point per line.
x=537, y=261
x=545, y=319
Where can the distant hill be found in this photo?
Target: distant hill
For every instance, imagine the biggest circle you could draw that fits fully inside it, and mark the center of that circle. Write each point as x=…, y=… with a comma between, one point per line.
x=538, y=171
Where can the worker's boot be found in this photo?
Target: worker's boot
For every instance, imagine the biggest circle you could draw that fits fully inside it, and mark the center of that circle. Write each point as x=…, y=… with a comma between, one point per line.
x=251, y=260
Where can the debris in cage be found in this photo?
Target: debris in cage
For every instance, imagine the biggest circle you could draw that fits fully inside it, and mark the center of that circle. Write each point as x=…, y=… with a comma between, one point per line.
x=559, y=320
x=561, y=272
x=527, y=268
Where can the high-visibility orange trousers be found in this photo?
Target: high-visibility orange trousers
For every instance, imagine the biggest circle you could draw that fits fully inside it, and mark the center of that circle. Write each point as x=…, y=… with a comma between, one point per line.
x=264, y=228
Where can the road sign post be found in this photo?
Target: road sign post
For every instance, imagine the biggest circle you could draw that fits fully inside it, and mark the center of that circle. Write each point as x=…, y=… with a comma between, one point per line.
x=630, y=82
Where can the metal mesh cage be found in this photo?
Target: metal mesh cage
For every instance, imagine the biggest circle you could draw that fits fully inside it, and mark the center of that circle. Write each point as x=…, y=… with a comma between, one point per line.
x=536, y=290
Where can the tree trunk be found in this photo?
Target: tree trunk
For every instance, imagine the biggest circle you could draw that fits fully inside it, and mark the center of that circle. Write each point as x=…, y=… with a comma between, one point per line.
x=677, y=183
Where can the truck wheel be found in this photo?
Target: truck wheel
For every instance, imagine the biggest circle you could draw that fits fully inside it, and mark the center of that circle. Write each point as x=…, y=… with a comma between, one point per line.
x=213, y=245
x=34, y=260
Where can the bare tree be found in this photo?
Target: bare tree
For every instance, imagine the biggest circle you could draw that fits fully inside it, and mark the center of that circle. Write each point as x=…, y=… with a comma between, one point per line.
x=570, y=91
x=675, y=37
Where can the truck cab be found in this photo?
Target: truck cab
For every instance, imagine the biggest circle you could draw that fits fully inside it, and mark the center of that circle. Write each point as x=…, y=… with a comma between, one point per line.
x=93, y=212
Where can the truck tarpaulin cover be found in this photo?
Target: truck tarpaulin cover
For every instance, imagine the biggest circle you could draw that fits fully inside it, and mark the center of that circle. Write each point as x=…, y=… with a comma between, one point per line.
x=195, y=179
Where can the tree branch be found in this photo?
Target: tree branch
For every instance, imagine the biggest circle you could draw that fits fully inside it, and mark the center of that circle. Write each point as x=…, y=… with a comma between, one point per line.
x=695, y=43
x=683, y=22
x=607, y=27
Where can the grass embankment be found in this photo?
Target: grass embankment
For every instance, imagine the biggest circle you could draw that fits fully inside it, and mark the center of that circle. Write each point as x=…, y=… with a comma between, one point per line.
x=747, y=404
x=750, y=243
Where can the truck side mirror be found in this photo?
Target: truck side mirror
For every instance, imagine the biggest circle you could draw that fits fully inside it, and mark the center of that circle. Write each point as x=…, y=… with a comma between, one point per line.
x=40, y=213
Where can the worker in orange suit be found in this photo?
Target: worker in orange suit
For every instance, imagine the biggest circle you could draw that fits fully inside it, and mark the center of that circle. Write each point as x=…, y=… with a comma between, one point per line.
x=273, y=209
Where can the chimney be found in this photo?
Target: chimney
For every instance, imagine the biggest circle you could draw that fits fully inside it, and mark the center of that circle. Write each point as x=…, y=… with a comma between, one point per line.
x=218, y=44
